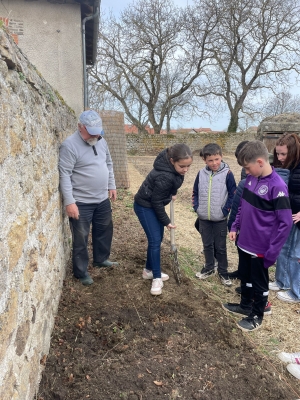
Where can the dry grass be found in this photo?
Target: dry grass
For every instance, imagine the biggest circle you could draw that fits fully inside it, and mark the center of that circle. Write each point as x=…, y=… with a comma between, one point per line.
x=280, y=331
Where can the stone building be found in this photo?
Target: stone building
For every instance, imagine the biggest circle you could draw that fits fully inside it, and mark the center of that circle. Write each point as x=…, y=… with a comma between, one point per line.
x=49, y=32
x=271, y=128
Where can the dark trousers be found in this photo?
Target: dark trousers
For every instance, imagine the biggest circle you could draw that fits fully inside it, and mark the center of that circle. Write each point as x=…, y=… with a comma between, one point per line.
x=254, y=283
x=100, y=216
x=213, y=234
x=154, y=230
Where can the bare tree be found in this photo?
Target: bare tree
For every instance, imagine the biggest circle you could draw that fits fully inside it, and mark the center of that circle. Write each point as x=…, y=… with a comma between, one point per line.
x=256, y=47
x=284, y=102
x=136, y=52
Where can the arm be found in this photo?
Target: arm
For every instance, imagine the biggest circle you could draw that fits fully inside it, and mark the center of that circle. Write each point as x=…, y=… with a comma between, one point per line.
x=67, y=161
x=231, y=188
x=235, y=203
x=195, y=195
x=111, y=177
x=285, y=222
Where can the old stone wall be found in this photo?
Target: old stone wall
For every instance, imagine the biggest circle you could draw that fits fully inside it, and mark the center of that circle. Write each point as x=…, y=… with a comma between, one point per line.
x=34, y=235
x=113, y=125
x=153, y=144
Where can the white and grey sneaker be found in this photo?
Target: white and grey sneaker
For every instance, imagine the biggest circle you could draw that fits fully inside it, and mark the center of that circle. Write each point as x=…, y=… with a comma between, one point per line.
x=157, y=285
x=225, y=280
x=147, y=274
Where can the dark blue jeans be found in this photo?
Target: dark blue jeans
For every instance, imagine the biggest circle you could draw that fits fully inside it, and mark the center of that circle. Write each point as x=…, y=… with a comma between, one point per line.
x=99, y=215
x=154, y=230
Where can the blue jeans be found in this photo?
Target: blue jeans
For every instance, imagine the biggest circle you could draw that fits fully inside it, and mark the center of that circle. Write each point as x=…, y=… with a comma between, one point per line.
x=154, y=230
x=287, y=273
x=99, y=215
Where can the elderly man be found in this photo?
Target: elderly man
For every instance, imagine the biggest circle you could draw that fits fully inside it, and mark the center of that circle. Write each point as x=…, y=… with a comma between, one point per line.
x=87, y=184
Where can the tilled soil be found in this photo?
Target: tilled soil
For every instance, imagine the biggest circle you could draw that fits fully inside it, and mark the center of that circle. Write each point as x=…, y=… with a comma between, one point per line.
x=114, y=340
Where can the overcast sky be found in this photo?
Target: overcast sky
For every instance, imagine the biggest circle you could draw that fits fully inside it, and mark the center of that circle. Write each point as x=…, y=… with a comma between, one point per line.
x=115, y=6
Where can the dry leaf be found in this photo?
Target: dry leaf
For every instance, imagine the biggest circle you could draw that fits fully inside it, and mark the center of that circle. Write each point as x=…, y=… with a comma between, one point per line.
x=140, y=375
x=71, y=378
x=43, y=360
x=88, y=377
x=149, y=372
x=158, y=383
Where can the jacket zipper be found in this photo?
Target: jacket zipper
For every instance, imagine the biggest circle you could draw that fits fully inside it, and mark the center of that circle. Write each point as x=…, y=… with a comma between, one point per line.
x=209, y=195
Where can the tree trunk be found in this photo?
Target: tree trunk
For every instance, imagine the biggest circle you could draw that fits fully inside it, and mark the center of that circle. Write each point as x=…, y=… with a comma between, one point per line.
x=234, y=122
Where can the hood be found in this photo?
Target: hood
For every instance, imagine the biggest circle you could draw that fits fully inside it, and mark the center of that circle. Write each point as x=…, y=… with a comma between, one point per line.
x=162, y=163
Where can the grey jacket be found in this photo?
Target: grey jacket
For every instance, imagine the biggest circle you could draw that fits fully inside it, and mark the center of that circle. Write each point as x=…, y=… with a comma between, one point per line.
x=86, y=172
x=212, y=193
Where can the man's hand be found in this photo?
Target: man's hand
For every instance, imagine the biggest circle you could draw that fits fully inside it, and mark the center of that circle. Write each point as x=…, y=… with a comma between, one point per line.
x=112, y=194
x=232, y=235
x=72, y=211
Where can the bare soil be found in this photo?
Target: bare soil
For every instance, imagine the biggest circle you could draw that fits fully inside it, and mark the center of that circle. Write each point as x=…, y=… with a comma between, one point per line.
x=113, y=340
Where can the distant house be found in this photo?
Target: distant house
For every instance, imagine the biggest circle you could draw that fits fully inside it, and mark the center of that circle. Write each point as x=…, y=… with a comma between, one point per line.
x=50, y=33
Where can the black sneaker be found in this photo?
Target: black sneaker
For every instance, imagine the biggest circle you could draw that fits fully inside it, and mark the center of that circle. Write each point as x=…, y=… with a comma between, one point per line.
x=238, y=290
x=250, y=323
x=234, y=275
x=205, y=273
x=235, y=308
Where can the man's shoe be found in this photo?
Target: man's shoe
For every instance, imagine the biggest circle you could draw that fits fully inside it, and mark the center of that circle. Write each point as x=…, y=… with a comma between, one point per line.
x=294, y=369
x=147, y=274
x=287, y=297
x=234, y=275
x=235, y=308
x=250, y=323
x=105, y=264
x=274, y=286
x=293, y=358
x=238, y=290
x=205, y=274
x=225, y=280
x=87, y=280
x=157, y=285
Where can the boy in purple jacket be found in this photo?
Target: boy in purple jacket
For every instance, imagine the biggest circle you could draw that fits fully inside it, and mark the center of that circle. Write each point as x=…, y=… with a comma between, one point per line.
x=261, y=227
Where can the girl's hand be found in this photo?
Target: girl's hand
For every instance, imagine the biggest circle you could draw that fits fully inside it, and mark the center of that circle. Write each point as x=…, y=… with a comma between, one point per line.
x=174, y=198
x=170, y=226
x=296, y=217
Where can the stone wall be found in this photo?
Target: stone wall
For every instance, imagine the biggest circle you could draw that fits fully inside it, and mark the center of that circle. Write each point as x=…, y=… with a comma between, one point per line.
x=34, y=235
x=113, y=125
x=153, y=144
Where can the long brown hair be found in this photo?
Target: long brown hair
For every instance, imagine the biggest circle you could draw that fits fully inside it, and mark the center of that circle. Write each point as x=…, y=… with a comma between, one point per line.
x=292, y=142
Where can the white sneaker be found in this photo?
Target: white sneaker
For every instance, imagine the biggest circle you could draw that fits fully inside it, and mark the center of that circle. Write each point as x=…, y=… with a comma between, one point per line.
x=149, y=275
x=294, y=369
x=293, y=358
x=157, y=285
x=287, y=297
x=274, y=286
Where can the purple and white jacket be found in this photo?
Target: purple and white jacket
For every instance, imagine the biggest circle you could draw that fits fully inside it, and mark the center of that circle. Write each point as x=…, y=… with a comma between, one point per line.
x=264, y=218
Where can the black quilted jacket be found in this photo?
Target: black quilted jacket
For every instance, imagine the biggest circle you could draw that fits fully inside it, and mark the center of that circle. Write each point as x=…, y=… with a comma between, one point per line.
x=294, y=191
x=159, y=186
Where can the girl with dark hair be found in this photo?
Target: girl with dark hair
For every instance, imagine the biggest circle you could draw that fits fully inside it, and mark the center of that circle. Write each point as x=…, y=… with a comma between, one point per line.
x=157, y=190
x=287, y=275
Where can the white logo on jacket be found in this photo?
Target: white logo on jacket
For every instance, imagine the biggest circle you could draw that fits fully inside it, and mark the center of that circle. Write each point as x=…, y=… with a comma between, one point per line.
x=281, y=194
x=263, y=190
